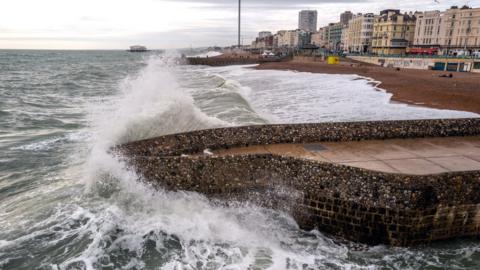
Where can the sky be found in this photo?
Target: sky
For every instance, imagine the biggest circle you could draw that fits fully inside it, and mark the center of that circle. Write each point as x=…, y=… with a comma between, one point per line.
x=167, y=24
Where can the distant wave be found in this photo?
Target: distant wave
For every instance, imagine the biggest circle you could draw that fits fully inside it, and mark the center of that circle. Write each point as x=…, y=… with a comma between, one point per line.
x=208, y=54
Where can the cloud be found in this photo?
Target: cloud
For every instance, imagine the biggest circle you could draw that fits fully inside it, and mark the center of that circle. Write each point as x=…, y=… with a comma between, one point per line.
x=116, y=24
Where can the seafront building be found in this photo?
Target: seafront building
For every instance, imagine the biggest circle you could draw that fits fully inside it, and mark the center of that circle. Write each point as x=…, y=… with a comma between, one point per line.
x=318, y=38
x=332, y=34
x=428, y=29
x=263, y=43
x=307, y=20
x=344, y=39
x=291, y=38
x=359, y=33
x=461, y=29
x=455, y=31
x=393, y=32
x=346, y=17
x=285, y=38
x=264, y=34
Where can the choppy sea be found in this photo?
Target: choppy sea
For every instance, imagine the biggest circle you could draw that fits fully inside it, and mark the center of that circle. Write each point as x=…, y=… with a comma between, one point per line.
x=65, y=203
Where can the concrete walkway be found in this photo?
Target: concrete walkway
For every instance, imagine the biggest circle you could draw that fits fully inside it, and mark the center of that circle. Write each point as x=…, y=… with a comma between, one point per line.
x=404, y=156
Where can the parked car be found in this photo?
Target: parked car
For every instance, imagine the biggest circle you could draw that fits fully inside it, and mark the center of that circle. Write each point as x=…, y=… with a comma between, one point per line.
x=268, y=54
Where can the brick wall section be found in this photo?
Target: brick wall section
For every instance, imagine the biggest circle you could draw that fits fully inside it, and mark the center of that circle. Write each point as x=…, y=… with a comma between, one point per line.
x=352, y=203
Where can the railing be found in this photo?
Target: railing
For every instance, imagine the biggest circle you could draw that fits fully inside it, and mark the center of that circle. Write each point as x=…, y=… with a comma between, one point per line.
x=415, y=56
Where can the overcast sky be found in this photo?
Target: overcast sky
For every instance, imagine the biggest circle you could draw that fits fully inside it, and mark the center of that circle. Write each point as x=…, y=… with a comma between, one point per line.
x=116, y=24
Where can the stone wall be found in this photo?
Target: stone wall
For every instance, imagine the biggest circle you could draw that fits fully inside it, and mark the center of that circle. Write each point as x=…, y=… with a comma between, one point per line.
x=414, y=63
x=223, y=61
x=352, y=203
x=225, y=138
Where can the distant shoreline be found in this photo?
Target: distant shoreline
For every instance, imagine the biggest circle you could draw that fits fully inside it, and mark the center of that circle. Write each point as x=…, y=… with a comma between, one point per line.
x=415, y=87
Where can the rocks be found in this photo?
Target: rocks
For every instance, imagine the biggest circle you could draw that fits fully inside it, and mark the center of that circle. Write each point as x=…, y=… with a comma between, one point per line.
x=352, y=203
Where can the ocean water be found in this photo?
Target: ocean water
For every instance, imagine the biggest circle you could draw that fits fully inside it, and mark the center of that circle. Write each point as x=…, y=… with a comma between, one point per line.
x=66, y=203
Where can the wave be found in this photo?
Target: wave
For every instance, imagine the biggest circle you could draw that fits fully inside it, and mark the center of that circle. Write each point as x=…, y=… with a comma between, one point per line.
x=139, y=227
x=151, y=104
x=208, y=54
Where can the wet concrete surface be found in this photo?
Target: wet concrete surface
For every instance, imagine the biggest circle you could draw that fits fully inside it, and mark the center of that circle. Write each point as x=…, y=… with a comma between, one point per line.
x=420, y=156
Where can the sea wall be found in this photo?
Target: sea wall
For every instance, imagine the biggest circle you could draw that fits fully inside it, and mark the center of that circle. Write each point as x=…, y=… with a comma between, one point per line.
x=352, y=203
x=224, y=138
x=223, y=61
x=445, y=64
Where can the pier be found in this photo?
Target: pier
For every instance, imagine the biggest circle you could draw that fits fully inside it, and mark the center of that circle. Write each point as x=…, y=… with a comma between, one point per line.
x=399, y=183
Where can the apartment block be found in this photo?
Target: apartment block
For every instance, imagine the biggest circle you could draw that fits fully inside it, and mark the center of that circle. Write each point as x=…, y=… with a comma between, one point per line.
x=332, y=35
x=292, y=38
x=359, y=33
x=318, y=38
x=264, y=34
x=307, y=20
x=461, y=30
x=345, y=17
x=454, y=31
x=393, y=32
x=428, y=29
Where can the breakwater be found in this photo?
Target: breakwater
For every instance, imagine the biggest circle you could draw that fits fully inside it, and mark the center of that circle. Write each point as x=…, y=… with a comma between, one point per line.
x=353, y=203
x=233, y=60
x=223, y=61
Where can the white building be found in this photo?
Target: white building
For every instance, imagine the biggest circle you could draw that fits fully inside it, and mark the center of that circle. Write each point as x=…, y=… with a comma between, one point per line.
x=285, y=38
x=307, y=20
x=456, y=30
x=359, y=33
x=291, y=38
x=318, y=38
x=428, y=29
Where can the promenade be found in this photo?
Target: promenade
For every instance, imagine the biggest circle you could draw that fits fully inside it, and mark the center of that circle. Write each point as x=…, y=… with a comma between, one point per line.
x=423, y=156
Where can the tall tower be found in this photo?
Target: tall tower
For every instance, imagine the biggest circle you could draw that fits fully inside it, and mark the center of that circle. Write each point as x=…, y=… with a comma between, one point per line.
x=239, y=22
x=307, y=20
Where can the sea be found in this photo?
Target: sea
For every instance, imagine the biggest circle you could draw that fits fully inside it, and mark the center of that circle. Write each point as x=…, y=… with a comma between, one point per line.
x=67, y=203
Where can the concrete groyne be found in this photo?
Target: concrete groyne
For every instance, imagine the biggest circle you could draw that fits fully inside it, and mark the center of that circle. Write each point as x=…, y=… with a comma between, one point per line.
x=353, y=203
x=221, y=61
x=231, y=60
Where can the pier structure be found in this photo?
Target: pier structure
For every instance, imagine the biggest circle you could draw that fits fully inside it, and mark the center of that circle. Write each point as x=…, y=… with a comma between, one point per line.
x=399, y=183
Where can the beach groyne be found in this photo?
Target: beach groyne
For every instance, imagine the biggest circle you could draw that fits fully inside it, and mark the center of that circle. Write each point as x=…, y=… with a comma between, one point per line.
x=352, y=203
x=231, y=60
x=222, y=61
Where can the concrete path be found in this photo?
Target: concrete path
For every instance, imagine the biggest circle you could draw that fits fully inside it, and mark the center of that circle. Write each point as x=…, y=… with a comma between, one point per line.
x=404, y=156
